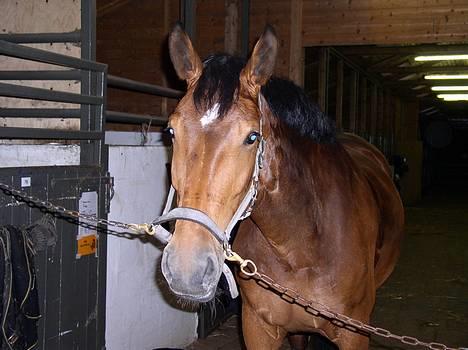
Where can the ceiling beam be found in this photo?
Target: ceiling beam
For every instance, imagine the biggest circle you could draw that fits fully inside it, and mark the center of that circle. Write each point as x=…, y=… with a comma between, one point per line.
x=423, y=69
x=403, y=50
x=416, y=82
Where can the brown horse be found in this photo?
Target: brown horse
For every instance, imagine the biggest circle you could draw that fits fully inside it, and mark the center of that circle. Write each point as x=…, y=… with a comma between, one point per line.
x=327, y=220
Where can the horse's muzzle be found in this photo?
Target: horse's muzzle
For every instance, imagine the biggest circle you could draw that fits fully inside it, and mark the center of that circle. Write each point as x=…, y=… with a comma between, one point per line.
x=194, y=278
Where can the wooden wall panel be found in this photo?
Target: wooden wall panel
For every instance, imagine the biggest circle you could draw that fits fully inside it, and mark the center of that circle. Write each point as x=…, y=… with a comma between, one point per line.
x=210, y=21
x=277, y=14
x=132, y=40
x=384, y=22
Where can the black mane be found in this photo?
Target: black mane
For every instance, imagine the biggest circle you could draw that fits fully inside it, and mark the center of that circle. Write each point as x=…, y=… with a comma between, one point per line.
x=219, y=83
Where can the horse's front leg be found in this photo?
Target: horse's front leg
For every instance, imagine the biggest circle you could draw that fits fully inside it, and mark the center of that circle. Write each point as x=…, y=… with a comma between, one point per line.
x=258, y=334
x=298, y=341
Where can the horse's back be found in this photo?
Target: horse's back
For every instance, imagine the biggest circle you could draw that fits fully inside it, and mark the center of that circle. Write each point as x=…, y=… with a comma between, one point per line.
x=371, y=163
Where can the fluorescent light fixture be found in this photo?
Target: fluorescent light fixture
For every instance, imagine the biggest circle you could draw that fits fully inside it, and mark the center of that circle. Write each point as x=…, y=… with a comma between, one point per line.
x=449, y=88
x=445, y=76
x=441, y=58
x=453, y=97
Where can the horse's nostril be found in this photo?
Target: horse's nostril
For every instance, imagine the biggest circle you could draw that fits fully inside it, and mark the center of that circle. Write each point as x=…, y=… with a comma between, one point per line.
x=165, y=267
x=210, y=270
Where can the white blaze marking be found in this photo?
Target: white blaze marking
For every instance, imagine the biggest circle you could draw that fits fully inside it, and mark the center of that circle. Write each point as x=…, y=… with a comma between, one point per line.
x=210, y=115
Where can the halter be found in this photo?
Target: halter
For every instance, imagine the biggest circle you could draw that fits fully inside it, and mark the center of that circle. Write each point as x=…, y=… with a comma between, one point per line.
x=189, y=214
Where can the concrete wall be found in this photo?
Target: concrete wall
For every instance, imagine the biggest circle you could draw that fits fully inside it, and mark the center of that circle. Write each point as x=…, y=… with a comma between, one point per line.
x=140, y=314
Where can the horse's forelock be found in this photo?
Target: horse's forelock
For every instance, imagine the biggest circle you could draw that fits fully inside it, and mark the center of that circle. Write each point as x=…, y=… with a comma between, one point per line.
x=219, y=83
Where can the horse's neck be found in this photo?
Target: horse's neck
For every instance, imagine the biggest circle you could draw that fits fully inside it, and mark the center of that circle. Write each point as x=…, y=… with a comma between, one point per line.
x=291, y=199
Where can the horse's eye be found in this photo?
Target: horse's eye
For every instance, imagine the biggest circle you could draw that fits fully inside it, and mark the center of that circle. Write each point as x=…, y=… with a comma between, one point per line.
x=253, y=136
x=169, y=131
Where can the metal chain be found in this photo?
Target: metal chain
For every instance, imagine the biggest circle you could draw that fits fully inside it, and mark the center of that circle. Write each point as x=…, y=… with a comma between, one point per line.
x=249, y=268
x=71, y=215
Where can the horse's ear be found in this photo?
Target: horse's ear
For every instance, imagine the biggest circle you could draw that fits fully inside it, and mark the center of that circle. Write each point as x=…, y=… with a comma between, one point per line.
x=261, y=64
x=186, y=61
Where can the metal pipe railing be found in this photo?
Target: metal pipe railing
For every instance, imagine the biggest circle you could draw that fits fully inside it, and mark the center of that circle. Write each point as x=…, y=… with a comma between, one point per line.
x=68, y=74
x=133, y=118
x=32, y=54
x=19, y=91
x=40, y=112
x=48, y=134
x=133, y=85
x=38, y=38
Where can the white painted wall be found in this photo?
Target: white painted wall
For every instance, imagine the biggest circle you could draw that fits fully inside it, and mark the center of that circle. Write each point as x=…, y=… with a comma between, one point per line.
x=138, y=315
x=13, y=156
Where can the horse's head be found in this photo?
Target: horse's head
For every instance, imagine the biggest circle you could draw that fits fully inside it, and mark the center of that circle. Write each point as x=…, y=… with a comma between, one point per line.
x=216, y=130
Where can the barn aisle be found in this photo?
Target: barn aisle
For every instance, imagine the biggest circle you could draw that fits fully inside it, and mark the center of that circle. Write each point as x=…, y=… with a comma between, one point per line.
x=427, y=295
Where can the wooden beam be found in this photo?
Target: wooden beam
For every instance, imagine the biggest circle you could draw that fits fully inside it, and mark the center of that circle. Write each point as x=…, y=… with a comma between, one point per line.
x=339, y=95
x=296, y=51
x=390, y=62
x=403, y=50
x=428, y=83
x=424, y=69
x=231, y=27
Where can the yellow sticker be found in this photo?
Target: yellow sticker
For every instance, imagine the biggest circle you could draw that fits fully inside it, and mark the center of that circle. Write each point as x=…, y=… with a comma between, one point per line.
x=86, y=245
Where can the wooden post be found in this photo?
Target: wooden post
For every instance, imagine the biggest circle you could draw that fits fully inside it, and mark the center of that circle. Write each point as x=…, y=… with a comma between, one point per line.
x=231, y=27
x=339, y=95
x=296, y=51
x=353, y=101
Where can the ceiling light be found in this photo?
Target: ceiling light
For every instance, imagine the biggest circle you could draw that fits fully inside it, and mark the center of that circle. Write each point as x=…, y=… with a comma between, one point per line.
x=441, y=57
x=449, y=88
x=445, y=76
x=453, y=97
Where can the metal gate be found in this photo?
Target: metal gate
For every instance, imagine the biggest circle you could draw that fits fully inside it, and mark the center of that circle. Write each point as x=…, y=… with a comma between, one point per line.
x=71, y=283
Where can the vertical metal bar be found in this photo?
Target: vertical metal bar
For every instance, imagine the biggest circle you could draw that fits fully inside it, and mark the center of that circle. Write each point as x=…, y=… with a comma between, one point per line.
x=386, y=123
x=189, y=18
x=245, y=16
x=324, y=56
x=363, y=107
x=373, y=115
x=88, y=51
x=353, y=100
x=339, y=94
x=380, y=111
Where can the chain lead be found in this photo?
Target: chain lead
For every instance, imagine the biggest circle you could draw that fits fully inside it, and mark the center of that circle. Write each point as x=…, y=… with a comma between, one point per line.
x=90, y=221
x=317, y=309
x=247, y=267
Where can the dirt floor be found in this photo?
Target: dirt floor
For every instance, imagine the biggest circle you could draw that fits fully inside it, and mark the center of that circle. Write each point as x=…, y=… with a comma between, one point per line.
x=427, y=295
